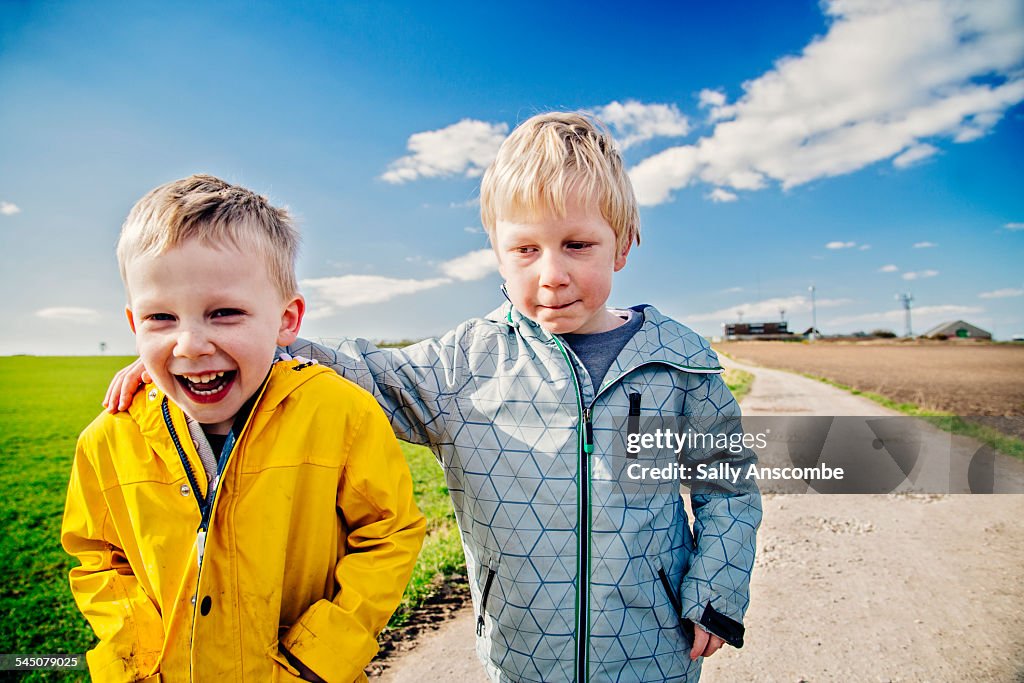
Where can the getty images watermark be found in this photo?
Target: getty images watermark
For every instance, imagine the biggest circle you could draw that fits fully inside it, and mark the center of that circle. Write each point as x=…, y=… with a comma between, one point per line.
x=799, y=454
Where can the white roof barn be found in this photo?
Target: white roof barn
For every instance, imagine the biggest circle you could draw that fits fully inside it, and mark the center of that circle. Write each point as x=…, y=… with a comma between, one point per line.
x=959, y=329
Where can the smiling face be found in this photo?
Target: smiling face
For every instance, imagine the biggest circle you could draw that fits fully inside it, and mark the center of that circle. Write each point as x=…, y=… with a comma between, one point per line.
x=558, y=270
x=207, y=321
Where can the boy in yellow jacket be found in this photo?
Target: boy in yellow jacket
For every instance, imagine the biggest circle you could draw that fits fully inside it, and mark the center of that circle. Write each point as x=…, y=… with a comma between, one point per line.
x=246, y=519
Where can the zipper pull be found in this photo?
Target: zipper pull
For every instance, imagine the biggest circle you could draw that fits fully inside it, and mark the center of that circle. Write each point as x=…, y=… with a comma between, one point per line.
x=200, y=545
x=588, y=433
x=480, y=625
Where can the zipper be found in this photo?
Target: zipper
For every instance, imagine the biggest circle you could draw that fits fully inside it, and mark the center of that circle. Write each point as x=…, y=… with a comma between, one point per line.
x=483, y=601
x=585, y=441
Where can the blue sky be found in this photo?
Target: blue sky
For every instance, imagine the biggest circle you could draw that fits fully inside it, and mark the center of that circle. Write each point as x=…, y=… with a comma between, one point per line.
x=867, y=147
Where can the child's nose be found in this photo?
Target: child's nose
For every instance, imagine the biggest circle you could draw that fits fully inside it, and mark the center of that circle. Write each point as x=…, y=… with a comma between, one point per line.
x=192, y=344
x=553, y=271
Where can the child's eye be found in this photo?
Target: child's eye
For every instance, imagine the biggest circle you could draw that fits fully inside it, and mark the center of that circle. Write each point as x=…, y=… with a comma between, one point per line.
x=525, y=250
x=226, y=313
x=577, y=245
x=159, y=317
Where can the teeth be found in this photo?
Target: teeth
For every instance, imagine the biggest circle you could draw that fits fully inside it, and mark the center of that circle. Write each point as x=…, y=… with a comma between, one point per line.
x=203, y=379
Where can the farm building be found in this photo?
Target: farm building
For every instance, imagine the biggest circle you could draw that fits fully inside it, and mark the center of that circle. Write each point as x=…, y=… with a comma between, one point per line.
x=958, y=329
x=774, y=330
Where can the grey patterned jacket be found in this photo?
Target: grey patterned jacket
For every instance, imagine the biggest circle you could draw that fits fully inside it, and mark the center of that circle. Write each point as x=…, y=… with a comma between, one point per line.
x=577, y=572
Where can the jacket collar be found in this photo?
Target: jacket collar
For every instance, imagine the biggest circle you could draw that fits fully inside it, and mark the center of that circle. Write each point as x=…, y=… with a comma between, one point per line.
x=285, y=377
x=659, y=339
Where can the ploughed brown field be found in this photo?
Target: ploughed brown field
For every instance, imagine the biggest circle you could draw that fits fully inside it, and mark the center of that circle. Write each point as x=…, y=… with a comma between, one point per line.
x=961, y=378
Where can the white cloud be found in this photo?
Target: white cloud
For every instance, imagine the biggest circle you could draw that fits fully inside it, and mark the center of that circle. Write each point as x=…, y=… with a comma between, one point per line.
x=634, y=122
x=344, y=291
x=868, y=90
x=720, y=195
x=463, y=148
x=473, y=230
x=864, y=247
x=924, y=245
x=711, y=99
x=468, y=204
x=329, y=294
x=840, y=245
x=8, y=209
x=767, y=309
x=475, y=265
x=1014, y=226
x=732, y=290
x=71, y=314
x=920, y=275
x=1002, y=293
x=890, y=268
x=898, y=315
x=914, y=154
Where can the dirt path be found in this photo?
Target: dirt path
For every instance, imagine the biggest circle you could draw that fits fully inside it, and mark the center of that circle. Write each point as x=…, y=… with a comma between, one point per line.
x=905, y=587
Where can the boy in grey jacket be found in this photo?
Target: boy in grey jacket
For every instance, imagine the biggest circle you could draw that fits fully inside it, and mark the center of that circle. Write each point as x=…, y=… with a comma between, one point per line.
x=582, y=567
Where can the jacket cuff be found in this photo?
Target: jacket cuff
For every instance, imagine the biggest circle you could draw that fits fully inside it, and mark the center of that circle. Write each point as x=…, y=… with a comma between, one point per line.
x=330, y=642
x=697, y=607
x=729, y=630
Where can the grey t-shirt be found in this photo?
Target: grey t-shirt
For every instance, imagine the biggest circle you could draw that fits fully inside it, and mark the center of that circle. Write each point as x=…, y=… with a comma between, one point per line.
x=598, y=351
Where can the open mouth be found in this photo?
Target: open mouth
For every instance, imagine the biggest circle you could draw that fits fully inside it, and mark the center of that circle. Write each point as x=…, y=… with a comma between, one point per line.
x=207, y=387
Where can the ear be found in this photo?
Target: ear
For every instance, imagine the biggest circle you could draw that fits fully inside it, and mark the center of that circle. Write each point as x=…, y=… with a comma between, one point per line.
x=620, y=258
x=131, y=318
x=291, y=320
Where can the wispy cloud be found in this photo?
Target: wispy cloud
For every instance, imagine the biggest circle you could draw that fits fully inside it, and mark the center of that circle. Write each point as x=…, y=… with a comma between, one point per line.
x=475, y=265
x=634, y=122
x=924, y=245
x=464, y=148
x=1002, y=293
x=897, y=315
x=468, y=204
x=840, y=245
x=9, y=209
x=718, y=195
x=864, y=247
x=920, y=275
x=474, y=230
x=732, y=290
x=813, y=116
x=711, y=99
x=71, y=314
x=329, y=294
x=914, y=154
x=889, y=268
x=1014, y=226
x=767, y=309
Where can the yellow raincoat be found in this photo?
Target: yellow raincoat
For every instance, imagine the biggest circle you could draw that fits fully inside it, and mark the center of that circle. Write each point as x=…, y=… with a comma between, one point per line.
x=312, y=537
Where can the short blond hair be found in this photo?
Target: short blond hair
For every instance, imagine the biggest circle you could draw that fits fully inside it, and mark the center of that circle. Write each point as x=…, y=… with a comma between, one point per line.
x=550, y=157
x=216, y=213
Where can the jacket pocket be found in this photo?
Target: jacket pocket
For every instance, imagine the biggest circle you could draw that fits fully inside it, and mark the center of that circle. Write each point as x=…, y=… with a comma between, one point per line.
x=673, y=600
x=483, y=601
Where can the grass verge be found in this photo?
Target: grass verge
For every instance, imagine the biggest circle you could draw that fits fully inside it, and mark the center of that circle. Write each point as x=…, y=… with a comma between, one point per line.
x=946, y=421
x=738, y=381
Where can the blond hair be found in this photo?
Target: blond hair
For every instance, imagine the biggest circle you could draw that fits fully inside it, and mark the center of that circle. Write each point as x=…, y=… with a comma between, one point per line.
x=216, y=213
x=549, y=158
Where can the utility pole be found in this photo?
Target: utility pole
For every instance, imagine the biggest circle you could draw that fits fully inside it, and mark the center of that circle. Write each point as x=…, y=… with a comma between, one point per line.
x=814, y=316
x=905, y=299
